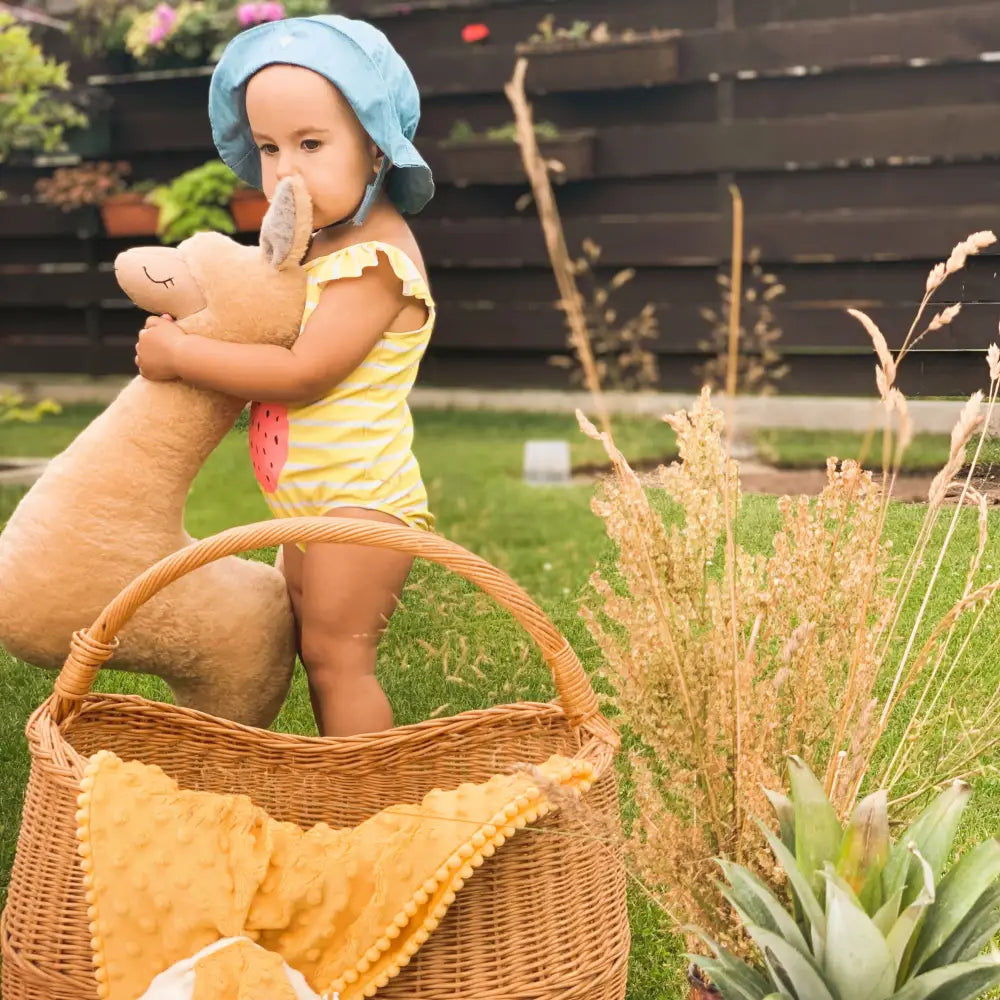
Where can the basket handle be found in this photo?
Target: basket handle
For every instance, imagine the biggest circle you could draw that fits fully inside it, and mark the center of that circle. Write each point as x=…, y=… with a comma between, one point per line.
x=91, y=648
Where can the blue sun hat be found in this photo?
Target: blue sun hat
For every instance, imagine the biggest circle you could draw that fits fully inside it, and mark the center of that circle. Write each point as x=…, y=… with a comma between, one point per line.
x=361, y=63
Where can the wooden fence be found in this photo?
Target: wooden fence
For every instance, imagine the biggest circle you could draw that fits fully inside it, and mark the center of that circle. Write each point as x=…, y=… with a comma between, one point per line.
x=863, y=134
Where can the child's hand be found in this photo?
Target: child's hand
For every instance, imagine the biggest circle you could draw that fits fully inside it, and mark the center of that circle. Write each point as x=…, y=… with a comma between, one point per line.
x=156, y=351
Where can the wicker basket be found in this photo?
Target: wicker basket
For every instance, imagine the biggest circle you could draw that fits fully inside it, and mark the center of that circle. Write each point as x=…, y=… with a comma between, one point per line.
x=545, y=918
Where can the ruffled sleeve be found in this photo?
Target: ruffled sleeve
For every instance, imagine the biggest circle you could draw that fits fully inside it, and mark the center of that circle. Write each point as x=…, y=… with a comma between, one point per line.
x=350, y=261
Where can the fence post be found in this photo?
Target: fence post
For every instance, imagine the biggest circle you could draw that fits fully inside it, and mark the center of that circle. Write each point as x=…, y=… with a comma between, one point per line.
x=88, y=235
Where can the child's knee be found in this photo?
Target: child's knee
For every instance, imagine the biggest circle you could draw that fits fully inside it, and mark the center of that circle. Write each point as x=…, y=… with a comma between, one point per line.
x=338, y=654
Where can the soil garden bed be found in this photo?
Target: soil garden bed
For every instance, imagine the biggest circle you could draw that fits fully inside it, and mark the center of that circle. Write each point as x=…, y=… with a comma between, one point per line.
x=759, y=477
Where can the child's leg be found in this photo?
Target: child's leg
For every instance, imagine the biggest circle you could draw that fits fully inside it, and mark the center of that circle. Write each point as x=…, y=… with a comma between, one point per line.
x=349, y=592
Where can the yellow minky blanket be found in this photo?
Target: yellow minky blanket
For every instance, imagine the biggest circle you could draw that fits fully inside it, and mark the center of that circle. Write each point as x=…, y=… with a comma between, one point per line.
x=170, y=872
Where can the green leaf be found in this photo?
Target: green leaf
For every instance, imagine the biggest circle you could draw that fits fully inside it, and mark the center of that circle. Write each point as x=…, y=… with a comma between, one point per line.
x=731, y=974
x=902, y=939
x=818, y=832
x=734, y=978
x=802, y=891
x=975, y=872
x=756, y=904
x=864, y=850
x=933, y=833
x=784, y=810
x=858, y=963
x=973, y=934
x=888, y=912
x=792, y=971
x=963, y=981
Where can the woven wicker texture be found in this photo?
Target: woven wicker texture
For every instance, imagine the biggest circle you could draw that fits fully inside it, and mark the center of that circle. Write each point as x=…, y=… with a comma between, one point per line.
x=544, y=918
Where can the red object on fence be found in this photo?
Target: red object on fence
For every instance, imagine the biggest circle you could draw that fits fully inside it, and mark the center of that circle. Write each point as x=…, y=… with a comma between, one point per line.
x=472, y=33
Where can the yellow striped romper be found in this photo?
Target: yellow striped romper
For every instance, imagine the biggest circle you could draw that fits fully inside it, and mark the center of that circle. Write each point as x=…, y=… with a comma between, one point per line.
x=353, y=448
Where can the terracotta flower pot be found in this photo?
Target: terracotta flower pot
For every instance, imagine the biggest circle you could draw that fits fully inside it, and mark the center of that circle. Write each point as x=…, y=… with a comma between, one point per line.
x=129, y=215
x=248, y=208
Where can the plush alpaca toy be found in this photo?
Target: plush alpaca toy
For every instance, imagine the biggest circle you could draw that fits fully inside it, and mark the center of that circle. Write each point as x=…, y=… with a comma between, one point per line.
x=112, y=503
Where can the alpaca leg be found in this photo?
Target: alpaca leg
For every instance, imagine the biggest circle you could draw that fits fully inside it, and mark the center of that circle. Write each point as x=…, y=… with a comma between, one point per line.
x=251, y=701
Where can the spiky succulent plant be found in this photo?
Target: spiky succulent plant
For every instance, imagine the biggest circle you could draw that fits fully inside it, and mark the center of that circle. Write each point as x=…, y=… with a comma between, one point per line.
x=869, y=919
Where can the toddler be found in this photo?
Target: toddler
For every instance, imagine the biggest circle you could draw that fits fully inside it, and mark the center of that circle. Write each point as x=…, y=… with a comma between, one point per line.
x=329, y=99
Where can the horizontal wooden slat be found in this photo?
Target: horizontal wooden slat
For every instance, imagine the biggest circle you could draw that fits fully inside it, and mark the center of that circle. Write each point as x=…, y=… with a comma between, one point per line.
x=960, y=132
x=927, y=373
x=55, y=355
x=682, y=328
x=834, y=286
x=854, y=92
x=931, y=134
x=749, y=12
x=665, y=240
x=945, y=33
x=36, y=220
x=845, y=236
x=495, y=326
x=857, y=284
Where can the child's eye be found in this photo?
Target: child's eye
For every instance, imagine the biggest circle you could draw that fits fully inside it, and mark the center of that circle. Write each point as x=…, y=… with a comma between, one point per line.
x=310, y=144
x=268, y=148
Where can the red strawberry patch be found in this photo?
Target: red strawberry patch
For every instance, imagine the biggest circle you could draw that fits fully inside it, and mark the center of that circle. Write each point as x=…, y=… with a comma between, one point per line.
x=268, y=443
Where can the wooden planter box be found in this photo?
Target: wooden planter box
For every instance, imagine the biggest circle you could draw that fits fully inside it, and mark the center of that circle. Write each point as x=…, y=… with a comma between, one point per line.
x=493, y=161
x=248, y=208
x=129, y=215
x=643, y=61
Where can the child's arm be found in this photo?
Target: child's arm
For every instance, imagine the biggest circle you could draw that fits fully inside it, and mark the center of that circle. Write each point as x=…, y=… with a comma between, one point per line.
x=351, y=316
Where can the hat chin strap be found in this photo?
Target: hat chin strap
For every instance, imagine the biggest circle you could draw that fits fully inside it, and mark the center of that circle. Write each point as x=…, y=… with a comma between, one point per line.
x=371, y=193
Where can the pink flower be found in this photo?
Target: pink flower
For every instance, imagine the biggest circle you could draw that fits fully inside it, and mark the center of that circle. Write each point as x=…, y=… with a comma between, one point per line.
x=258, y=13
x=166, y=17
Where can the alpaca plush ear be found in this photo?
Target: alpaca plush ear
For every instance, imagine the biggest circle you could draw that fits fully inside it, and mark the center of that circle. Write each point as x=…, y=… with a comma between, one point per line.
x=287, y=226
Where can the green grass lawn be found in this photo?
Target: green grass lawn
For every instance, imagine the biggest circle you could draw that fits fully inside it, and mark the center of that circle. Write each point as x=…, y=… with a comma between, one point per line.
x=546, y=538
x=795, y=449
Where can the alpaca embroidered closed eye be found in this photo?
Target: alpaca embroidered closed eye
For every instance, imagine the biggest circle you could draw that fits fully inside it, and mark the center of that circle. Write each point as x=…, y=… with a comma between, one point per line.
x=167, y=282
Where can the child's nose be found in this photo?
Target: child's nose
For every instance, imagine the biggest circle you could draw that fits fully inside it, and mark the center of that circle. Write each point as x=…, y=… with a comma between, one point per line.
x=286, y=166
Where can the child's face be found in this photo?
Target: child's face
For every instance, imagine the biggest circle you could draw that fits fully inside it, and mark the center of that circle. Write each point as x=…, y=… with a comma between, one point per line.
x=303, y=125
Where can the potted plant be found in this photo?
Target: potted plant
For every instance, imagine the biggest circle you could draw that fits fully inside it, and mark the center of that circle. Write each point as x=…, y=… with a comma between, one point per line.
x=131, y=212
x=864, y=917
x=248, y=206
x=125, y=210
x=494, y=157
x=585, y=57
x=195, y=201
x=241, y=16
x=38, y=115
x=174, y=36
x=99, y=31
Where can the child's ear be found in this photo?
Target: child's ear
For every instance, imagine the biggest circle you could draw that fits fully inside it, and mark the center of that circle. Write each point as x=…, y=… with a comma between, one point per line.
x=287, y=226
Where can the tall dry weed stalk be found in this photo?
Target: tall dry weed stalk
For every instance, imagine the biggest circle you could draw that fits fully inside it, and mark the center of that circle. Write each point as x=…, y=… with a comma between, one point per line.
x=620, y=346
x=758, y=361
x=571, y=301
x=722, y=661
